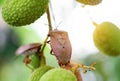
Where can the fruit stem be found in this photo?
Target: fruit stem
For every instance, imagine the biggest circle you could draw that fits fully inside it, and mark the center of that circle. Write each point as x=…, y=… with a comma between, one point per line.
x=44, y=44
x=41, y=53
x=95, y=24
x=50, y=28
x=49, y=19
x=78, y=75
x=42, y=59
x=76, y=71
x=85, y=68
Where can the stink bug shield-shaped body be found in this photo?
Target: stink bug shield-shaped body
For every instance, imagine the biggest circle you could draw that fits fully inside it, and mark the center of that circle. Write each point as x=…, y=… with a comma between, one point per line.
x=61, y=46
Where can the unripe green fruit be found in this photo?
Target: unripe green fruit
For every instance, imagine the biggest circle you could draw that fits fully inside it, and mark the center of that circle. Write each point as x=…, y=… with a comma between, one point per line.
x=107, y=38
x=58, y=74
x=90, y=2
x=23, y=12
x=35, y=61
x=39, y=72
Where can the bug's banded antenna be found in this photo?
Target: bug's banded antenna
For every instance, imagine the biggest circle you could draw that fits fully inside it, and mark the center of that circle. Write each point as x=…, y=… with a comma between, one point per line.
x=52, y=12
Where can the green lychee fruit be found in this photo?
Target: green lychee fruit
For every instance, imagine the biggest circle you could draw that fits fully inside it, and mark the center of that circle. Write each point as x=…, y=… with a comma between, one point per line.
x=106, y=37
x=89, y=2
x=35, y=61
x=23, y=12
x=58, y=74
x=39, y=72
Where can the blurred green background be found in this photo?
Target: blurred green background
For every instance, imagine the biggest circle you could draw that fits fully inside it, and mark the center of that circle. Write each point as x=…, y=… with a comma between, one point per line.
x=11, y=69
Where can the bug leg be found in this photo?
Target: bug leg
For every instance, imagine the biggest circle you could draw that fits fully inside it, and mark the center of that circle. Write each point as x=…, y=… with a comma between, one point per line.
x=51, y=52
x=65, y=66
x=48, y=41
x=61, y=65
x=27, y=61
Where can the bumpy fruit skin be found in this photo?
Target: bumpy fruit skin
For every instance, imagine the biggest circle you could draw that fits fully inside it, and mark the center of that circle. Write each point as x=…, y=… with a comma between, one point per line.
x=39, y=72
x=23, y=12
x=107, y=38
x=90, y=2
x=58, y=74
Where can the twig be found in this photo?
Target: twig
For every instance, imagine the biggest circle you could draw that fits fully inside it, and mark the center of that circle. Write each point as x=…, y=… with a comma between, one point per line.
x=49, y=19
x=78, y=75
x=50, y=28
x=41, y=53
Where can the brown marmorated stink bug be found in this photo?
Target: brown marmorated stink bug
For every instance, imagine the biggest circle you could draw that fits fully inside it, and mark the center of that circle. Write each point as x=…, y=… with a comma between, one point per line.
x=60, y=46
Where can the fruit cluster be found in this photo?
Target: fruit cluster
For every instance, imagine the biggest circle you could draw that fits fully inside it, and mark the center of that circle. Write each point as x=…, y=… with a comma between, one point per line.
x=24, y=12
x=47, y=73
x=34, y=59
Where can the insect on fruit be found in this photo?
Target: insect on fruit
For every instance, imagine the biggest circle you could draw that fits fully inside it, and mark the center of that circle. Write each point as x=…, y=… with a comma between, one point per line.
x=61, y=46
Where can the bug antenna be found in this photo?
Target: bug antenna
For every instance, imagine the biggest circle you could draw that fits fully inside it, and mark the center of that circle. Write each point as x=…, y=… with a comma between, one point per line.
x=52, y=12
x=59, y=24
x=46, y=24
